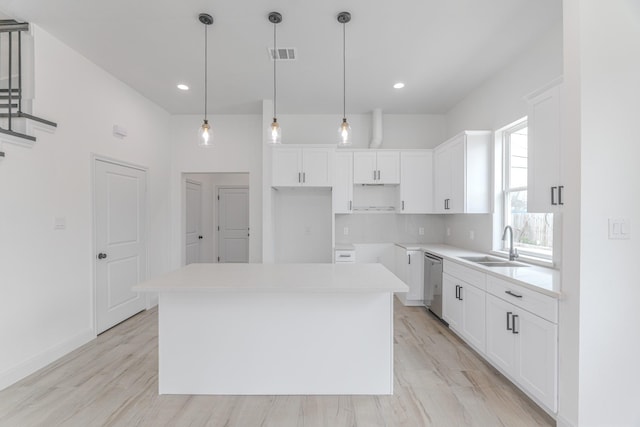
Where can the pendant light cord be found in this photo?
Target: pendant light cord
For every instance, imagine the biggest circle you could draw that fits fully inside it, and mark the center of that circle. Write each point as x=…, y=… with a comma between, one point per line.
x=344, y=72
x=205, y=71
x=275, y=58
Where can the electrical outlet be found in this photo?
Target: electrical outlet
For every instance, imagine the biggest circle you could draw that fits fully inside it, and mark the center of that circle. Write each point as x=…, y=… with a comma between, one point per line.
x=421, y=231
x=472, y=235
x=345, y=231
x=448, y=231
x=307, y=230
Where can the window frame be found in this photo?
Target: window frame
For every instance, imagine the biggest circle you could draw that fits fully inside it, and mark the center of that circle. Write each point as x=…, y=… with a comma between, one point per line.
x=544, y=256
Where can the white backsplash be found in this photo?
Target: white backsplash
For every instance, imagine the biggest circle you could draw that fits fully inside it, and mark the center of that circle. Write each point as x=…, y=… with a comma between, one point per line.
x=389, y=228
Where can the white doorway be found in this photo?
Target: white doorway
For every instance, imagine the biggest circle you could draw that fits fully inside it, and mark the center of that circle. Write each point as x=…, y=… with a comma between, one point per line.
x=120, y=214
x=233, y=224
x=193, y=229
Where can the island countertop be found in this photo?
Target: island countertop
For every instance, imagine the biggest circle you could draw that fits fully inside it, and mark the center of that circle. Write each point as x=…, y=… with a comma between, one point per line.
x=347, y=278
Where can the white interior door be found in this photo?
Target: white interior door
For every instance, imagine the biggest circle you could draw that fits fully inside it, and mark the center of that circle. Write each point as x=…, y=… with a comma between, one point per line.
x=233, y=223
x=193, y=227
x=121, y=242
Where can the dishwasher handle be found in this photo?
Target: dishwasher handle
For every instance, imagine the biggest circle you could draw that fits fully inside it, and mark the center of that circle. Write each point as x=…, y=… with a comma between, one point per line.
x=433, y=258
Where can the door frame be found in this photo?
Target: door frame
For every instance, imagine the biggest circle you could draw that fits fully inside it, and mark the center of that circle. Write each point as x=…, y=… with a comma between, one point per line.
x=184, y=225
x=216, y=201
x=94, y=250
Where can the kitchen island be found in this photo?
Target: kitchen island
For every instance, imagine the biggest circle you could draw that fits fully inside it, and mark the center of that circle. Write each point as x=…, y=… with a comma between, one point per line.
x=276, y=329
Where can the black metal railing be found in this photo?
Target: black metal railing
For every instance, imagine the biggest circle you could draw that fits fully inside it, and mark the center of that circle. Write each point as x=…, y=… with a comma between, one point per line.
x=11, y=90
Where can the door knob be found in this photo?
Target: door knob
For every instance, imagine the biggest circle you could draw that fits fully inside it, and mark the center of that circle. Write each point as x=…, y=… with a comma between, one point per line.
x=102, y=256
x=200, y=237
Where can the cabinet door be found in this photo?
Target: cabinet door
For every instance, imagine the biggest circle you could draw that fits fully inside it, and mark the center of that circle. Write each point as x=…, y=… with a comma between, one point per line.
x=500, y=340
x=343, y=183
x=317, y=170
x=457, y=168
x=451, y=305
x=388, y=165
x=473, y=315
x=415, y=279
x=364, y=168
x=537, y=357
x=416, y=182
x=401, y=270
x=442, y=179
x=287, y=167
x=543, y=162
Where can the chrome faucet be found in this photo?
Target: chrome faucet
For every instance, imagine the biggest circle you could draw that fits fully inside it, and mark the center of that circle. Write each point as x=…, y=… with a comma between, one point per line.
x=513, y=252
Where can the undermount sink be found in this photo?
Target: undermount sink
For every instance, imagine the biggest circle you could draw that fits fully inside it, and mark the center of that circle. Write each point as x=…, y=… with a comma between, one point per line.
x=489, y=261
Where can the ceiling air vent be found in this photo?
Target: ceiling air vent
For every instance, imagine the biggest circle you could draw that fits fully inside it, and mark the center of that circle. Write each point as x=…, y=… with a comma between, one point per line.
x=283, y=53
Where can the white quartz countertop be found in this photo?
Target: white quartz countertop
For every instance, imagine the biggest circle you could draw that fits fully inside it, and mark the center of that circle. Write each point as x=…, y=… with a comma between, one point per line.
x=276, y=278
x=540, y=279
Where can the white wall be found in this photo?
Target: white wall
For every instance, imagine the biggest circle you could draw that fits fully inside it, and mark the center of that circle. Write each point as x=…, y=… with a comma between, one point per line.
x=399, y=131
x=46, y=279
x=209, y=212
x=495, y=104
x=302, y=225
x=237, y=149
x=604, y=39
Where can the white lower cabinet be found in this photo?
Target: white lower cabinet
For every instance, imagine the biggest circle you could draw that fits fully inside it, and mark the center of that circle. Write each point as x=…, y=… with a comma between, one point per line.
x=410, y=269
x=464, y=310
x=524, y=346
x=513, y=327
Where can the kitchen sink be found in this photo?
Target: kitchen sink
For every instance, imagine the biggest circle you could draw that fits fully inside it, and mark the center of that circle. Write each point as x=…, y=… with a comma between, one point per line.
x=492, y=262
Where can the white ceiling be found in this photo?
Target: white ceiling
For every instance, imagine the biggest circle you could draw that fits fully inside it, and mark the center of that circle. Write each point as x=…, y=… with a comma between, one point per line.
x=441, y=49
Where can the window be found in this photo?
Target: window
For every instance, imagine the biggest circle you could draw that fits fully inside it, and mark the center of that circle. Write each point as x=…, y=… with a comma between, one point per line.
x=533, y=232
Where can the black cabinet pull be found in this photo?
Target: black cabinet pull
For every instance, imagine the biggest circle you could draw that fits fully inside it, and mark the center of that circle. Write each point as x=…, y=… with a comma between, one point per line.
x=403, y=205
x=509, y=327
x=409, y=258
x=512, y=294
x=350, y=204
x=515, y=316
x=299, y=180
x=304, y=177
x=374, y=175
x=560, y=202
x=457, y=288
x=553, y=196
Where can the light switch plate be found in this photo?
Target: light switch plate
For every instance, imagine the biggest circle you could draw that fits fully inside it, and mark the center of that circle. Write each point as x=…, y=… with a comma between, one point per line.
x=59, y=223
x=421, y=231
x=619, y=228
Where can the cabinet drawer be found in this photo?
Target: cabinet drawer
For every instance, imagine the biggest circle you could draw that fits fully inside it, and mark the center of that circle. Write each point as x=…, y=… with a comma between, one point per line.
x=539, y=304
x=469, y=275
x=345, y=256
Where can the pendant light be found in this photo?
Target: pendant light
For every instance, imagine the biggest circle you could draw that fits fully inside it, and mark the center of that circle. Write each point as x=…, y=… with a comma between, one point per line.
x=275, y=132
x=205, y=132
x=344, y=131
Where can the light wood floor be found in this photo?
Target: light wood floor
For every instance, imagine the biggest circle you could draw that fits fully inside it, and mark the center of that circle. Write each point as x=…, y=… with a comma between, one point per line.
x=113, y=381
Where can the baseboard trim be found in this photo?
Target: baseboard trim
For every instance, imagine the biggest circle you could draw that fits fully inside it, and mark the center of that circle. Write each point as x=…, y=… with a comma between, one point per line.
x=563, y=422
x=39, y=361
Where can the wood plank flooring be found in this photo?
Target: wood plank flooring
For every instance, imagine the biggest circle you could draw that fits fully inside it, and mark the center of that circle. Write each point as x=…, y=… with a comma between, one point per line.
x=113, y=381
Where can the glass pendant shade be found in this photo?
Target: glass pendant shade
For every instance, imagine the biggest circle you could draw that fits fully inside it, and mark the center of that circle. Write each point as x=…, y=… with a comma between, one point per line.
x=344, y=134
x=275, y=135
x=206, y=134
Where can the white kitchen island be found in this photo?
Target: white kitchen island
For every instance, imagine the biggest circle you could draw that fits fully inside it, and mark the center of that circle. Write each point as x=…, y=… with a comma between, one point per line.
x=276, y=329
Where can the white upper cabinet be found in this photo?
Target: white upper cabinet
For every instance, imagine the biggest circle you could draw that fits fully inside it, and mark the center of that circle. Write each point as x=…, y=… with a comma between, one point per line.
x=544, y=187
x=302, y=166
x=343, y=183
x=462, y=177
x=416, y=182
x=376, y=167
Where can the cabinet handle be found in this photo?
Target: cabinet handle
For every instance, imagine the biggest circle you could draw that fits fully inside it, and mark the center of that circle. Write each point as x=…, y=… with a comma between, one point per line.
x=304, y=177
x=374, y=175
x=350, y=204
x=409, y=259
x=515, y=316
x=560, y=202
x=457, y=289
x=403, y=205
x=460, y=293
x=512, y=294
x=553, y=196
x=509, y=327
x=299, y=180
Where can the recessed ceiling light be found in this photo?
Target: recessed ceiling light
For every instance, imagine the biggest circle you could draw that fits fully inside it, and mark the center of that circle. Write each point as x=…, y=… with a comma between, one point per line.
x=183, y=86
x=398, y=85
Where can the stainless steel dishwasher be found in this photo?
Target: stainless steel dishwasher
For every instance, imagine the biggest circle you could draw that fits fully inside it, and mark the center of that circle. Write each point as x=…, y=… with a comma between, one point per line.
x=433, y=283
